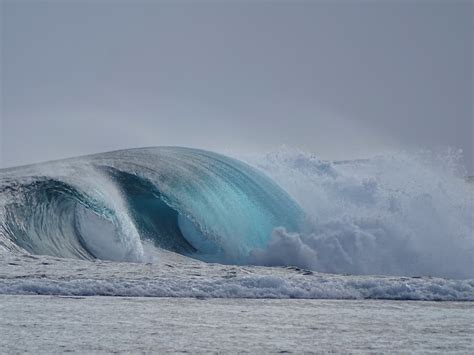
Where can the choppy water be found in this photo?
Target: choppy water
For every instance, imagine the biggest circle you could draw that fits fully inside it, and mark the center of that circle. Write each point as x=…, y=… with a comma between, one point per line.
x=48, y=324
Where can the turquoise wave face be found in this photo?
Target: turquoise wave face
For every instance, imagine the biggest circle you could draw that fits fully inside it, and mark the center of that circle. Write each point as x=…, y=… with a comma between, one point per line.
x=191, y=201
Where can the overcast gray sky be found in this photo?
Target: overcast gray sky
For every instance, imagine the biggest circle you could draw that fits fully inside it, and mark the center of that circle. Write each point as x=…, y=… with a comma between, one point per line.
x=341, y=79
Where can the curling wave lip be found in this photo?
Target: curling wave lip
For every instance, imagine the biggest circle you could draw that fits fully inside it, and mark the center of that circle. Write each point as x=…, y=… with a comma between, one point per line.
x=194, y=202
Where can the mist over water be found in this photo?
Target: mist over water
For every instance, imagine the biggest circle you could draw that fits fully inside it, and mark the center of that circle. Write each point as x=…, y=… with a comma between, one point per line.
x=397, y=214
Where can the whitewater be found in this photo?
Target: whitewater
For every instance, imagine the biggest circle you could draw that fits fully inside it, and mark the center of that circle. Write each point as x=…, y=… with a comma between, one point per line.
x=182, y=222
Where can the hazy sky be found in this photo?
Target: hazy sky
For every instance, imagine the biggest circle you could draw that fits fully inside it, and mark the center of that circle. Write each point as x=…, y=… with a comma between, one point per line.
x=341, y=79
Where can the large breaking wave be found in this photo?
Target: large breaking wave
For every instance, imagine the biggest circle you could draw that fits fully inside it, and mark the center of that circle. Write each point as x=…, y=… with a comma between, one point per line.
x=104, y=206
x=405, y=215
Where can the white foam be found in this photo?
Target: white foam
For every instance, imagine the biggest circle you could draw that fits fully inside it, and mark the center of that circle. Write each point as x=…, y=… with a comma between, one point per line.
x=174, y=275
x=400, y=214
x=260, y=286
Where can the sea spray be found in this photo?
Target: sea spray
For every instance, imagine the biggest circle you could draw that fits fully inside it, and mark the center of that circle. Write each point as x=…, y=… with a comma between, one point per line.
x=397, y=214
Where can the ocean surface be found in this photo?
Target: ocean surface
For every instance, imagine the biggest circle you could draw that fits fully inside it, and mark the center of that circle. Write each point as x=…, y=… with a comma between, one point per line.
x=289, y=251
x=52, y=324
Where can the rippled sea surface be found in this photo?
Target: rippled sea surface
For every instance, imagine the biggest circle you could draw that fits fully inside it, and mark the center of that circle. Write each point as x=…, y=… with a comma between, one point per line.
x=52, y=324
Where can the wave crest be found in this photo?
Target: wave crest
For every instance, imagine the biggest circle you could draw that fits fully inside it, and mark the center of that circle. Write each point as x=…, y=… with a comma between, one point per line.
x=104, y=206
